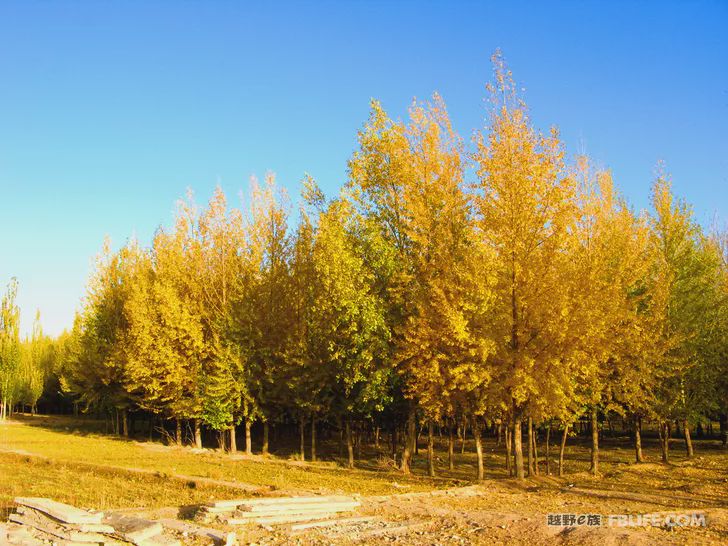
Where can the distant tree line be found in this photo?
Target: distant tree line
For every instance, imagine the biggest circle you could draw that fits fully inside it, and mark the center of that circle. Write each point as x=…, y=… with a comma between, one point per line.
x=494, y=284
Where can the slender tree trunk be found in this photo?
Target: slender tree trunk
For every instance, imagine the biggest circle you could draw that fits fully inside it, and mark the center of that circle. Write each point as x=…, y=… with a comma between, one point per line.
x=518, y=447
x=595, y=443
x=221, y=440
x=478, y=446
x=248, y=437
x=499, y=434
x=430, y=448
x=313, y=438
x=377, y=431
x=534, y=433
x=233, y=439
x=723, y=421
x=529, y=432
x=266, y=435
x=450, y=447
x=638, y=439
x=395, y=442
x=302, y=433
x=178, y=431
x=341, y=438
x=409, y=441
x=358, y=440
x=548, y=455
x=198, y=434
x=664, y=432
x=349, y=444
x=125, y=423
x=564, y=436
x=509, y=447
x=688, y=440
x=462, y=437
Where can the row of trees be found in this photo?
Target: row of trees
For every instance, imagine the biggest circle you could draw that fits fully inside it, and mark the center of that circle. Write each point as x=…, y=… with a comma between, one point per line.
x=25, y=364
x=494, y=284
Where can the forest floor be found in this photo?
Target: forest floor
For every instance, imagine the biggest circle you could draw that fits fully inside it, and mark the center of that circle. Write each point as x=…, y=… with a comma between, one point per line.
x=71, y=461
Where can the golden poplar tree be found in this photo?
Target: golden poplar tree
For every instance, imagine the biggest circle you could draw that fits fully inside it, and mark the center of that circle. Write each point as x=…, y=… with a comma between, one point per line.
x=444, y=347
x=164, y=342
x=525, y=207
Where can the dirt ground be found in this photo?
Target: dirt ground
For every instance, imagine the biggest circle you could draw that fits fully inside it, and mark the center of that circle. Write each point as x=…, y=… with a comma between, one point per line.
x=64, y=460
x=510, y=513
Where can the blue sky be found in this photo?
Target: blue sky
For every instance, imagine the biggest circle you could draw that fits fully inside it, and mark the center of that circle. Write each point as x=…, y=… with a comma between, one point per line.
x=110, y=110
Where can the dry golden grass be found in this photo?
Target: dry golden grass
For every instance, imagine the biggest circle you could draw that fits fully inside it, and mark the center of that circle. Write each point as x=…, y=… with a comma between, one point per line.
x=71, y=461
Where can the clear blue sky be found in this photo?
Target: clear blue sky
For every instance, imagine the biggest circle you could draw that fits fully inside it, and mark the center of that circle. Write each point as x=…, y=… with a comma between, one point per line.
x=110, y=110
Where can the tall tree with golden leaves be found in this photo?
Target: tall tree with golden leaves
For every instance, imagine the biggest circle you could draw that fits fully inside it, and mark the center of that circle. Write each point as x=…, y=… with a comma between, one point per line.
x=525, y=208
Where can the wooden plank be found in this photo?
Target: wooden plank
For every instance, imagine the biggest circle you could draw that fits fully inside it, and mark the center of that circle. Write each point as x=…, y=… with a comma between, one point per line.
x=277, y=519
x=219, y=509
x=292, y=512
x=332, y=522
x=37, y=521
x=19, y=535
x=94, y=528
x=63, y=512
x=132, y=528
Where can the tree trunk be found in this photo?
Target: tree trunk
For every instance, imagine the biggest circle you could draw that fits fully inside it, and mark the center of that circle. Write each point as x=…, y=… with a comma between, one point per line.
x=341, y=437
x=518, y=447
x=450, y=447
x=302, y=434
x=688, y=440
x=462, y=438
x=594, y=469
x=125, y=423
x=198, y=434
x=178, y=431
x=409, y=441
x=358, y=440
x=548, y=455
x=233, y=439
x=266, y=432
x=395, y=442
x=535, y=451
x=529, y=432
x=723, y=429
x=478, y=446
x=509, y=447
x=313, y=438
x=430, y=448
x=349, y=444
x=638, y=439
x=664, y=432
x=221, y=440
x=562, y=449
x=377, y=431
x=248, y=437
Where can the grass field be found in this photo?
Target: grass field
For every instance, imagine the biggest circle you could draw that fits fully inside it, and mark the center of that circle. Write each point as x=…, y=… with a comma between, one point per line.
x=70, y=461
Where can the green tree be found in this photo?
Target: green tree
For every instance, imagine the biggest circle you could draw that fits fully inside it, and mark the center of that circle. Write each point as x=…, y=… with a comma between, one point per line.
x=10, y=354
